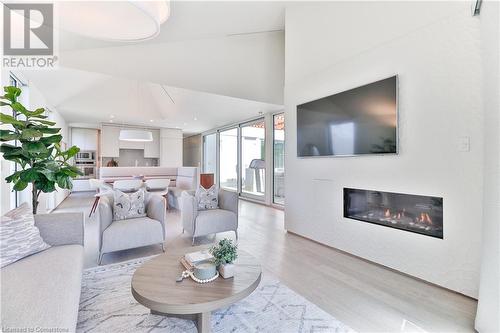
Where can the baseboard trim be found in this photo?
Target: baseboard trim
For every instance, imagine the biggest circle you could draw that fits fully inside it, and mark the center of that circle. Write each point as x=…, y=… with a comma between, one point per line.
x=380, y=265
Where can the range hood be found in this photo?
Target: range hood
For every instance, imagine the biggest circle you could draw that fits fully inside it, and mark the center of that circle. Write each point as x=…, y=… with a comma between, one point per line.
x=135, y=135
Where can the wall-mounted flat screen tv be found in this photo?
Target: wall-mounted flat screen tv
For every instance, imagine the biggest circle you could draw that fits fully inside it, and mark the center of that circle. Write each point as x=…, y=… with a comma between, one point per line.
x=359, y=121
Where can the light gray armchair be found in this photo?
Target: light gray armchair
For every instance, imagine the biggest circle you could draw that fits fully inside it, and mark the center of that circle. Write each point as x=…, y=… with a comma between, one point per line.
x=204, y=222
x=131, y=233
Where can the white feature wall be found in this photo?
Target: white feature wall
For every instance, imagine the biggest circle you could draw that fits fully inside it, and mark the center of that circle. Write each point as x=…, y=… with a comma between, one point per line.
x=434, y=48
x=488, y=309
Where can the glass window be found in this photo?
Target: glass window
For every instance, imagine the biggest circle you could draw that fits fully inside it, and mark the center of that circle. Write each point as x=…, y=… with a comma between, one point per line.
x=253, y=165
x=228, y=145
x=210, y=153
x=15, y=196
x=279, y=158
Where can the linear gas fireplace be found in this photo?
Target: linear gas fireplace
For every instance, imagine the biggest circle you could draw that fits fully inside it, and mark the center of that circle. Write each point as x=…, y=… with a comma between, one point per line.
x=415, y=213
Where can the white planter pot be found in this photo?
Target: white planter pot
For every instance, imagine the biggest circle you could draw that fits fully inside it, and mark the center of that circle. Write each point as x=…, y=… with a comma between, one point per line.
x=227, y=270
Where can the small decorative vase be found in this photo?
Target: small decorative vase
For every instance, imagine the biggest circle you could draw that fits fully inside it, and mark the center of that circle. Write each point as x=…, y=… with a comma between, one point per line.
x=204, y=271
x=226, y=270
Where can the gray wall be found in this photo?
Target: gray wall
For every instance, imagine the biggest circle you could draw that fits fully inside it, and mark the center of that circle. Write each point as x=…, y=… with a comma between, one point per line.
x=191, y=151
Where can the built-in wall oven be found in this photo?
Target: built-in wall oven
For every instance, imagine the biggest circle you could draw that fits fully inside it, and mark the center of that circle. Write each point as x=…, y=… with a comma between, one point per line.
x=87, y=170
x=86, y=163
x=83, y=156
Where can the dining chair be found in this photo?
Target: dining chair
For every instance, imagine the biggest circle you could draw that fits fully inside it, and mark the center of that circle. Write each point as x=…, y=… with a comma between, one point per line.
x=102, y=189
x=128, y=185
x=159, y=187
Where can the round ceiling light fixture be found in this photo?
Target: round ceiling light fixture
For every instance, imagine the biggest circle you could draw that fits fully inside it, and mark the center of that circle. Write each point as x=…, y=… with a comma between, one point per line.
x=135, y=135
x=129, y=21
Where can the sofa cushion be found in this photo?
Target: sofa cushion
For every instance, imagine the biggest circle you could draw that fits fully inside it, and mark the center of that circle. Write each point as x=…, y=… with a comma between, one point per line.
x=127, y=234
x=19, y=237
x=43, y=290
x=215, y=220
x=128, y=205
x=207, y=198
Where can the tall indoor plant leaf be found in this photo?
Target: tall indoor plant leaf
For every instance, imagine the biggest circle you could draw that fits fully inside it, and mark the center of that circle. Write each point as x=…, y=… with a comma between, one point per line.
x=38, y=150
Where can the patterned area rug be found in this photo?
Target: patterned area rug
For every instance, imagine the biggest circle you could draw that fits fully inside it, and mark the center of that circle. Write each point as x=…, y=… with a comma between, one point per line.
x=107, y=305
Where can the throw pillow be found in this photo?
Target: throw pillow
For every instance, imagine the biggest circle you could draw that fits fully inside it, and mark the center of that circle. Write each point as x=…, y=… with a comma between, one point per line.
x=207, y=199
x=19, y=237
x=128, y=205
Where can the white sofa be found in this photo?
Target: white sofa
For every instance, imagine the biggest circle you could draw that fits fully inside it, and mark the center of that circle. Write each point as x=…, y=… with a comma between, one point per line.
x=42, y=291
x=181, y=178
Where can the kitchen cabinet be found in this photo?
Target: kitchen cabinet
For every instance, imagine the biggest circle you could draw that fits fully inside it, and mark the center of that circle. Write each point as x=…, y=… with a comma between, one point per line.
x=84, y=138
x=171, y=147
x=110, y=146
x=152, y=149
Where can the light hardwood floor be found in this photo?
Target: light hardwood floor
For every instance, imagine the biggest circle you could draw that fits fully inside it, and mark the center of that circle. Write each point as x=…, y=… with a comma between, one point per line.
x=365, y=296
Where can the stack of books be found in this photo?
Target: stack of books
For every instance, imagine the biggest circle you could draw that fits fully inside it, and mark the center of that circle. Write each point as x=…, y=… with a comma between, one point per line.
x=191, y=259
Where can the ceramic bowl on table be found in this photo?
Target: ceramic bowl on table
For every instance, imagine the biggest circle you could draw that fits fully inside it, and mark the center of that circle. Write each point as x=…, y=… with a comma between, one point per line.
x=204, y=271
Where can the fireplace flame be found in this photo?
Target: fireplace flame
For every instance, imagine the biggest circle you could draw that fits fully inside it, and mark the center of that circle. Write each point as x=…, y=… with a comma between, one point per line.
x=394, y=216
x=425, y=218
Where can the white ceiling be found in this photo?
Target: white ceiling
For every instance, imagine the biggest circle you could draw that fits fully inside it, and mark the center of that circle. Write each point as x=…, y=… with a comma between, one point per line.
x=193, y=20
x=221, y=62
x=249, y=66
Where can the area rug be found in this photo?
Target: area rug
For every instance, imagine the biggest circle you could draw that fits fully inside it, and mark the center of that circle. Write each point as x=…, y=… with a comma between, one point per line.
x=107, y=305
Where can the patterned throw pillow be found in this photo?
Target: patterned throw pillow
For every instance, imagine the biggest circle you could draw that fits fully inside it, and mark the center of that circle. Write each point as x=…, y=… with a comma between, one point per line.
x=128, y=205
x=207, y=199
x=19, y=237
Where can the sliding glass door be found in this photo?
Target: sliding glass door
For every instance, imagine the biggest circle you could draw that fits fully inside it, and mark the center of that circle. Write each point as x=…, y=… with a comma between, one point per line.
x=228, y=165
x=279, y=158
x=237, y=155
x=253, y=164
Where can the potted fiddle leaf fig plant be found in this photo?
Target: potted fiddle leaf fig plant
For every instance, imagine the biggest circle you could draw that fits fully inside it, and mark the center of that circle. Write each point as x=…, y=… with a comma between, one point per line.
x=225, y=253
x=34, y=144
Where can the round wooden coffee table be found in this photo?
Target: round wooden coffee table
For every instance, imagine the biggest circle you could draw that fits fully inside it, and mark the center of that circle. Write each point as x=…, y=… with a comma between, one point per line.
x=154, y=286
